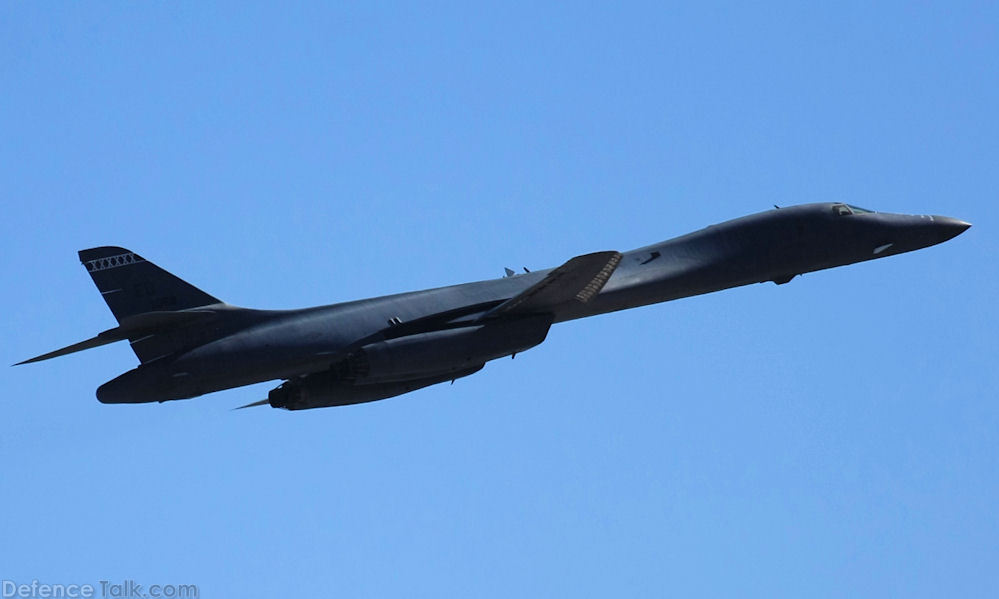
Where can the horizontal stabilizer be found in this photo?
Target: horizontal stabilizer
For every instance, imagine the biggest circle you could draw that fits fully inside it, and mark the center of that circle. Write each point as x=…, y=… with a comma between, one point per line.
x=131, y=327
x=104, y=338
x=578, y=279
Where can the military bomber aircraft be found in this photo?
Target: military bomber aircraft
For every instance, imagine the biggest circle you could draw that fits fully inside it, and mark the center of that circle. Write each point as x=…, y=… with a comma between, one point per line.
x=190, y=343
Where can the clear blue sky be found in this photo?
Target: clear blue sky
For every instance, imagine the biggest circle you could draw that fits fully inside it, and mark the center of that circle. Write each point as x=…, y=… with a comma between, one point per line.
x=837, y=436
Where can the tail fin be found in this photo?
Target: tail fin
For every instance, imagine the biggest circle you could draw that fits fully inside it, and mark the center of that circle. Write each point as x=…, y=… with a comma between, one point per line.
x=132, y=285
x=153, y=307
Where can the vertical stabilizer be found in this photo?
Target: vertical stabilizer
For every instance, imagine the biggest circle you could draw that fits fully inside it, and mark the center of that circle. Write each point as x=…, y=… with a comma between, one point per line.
x=132, y=285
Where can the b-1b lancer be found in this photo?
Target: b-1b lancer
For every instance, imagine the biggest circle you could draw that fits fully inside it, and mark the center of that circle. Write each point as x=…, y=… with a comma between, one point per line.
x=190, y=343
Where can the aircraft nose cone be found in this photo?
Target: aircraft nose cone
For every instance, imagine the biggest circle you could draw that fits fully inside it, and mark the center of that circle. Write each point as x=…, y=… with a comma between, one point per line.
x=948, y=227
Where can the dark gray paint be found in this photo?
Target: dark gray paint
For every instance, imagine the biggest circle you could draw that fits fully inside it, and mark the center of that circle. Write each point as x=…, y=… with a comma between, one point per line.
x=190, y=343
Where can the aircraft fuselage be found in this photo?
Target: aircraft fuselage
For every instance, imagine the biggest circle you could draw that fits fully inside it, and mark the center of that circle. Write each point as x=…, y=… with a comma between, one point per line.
x=401, y=336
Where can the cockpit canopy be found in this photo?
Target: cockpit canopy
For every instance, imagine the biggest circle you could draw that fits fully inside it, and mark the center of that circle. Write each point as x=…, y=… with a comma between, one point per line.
x=848, y=210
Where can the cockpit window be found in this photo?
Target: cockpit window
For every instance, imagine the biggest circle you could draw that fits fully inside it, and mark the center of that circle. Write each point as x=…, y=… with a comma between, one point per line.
x=847, y=210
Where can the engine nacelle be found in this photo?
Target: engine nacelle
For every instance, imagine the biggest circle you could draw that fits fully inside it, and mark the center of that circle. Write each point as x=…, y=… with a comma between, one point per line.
x=441, y=352
x=326, y=389
x=395, y=366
